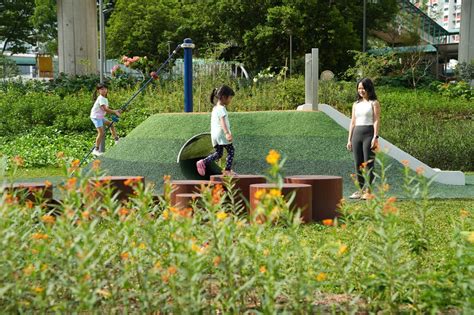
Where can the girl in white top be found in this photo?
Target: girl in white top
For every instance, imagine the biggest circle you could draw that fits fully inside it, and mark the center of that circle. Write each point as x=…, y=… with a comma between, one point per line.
x=364, y=134
x=98, y=111
x=220, y=131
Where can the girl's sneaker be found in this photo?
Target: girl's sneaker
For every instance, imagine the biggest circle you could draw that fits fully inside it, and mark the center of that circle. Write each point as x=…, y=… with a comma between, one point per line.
x=201, y=167
x=97, y=152
x=117, y=140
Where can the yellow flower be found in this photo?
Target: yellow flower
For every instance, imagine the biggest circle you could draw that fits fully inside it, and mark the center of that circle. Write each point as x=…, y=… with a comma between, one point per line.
x=142, y=246
x=464, y=213
x=273, y=157
x=470, y=237
x=321, y=276
x=342, y=249
x=259, y=194
x=38, y=290
x=105, y=293
x=262, y=269
x=166, y=214
x=195, y=248
x=275, y=192
x=221, y=215
x=29, y=270
x=266, y=252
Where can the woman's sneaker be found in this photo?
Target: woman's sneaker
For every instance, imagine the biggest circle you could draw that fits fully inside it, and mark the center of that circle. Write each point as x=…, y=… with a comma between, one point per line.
x=356, y=195
x=201, y=167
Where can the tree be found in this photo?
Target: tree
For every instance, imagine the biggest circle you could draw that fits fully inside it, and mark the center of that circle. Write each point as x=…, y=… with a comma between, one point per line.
x=45, y=21
x=16, y=30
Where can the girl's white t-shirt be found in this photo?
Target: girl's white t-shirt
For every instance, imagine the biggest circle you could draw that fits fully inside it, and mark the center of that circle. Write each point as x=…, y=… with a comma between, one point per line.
x=217, y=133
x=364, y=113
x=97, y=112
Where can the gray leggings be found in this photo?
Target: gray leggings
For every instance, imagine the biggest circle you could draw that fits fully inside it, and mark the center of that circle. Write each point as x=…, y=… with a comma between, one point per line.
x=361, y=141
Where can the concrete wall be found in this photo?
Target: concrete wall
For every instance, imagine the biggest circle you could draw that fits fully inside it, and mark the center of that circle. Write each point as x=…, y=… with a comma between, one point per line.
x=77, y=36
x=466, y=33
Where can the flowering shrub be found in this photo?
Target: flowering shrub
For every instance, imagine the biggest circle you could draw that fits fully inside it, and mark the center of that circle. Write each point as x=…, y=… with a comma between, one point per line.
x=94, y=253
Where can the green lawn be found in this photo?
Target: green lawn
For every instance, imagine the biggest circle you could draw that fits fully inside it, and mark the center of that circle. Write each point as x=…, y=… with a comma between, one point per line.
x=311, y=142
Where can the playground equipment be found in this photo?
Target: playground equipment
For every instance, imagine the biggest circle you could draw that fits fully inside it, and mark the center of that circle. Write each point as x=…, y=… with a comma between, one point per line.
x=188, y=92
x=196, y=148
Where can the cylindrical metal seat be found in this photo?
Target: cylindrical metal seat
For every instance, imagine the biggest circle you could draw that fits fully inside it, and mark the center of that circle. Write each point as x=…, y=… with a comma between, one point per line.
x=242, y=184
x=327, y=193
x=123, y=185
x=303, y=197
x=186, y=187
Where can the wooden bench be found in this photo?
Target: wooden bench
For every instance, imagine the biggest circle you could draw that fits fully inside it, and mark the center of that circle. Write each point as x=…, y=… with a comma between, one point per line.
x=326, y=191
x=303, y=197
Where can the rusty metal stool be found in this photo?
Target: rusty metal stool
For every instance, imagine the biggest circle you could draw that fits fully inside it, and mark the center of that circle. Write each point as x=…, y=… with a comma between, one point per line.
x=303, y=197
x=123, y=185
x=185, y=200
x=186, y=187
x=241, y=184
x=327, y=193
x=28, y=191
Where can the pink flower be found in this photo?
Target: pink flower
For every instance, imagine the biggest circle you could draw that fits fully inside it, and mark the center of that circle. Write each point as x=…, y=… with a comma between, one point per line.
x=127, y=63
x=135, y=58
x=115, y=68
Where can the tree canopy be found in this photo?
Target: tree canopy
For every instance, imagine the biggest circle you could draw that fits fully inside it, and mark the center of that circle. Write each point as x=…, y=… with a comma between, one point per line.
x=255, y=32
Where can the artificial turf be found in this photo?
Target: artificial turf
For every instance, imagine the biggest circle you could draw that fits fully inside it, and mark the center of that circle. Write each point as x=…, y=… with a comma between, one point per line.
x=311, y=142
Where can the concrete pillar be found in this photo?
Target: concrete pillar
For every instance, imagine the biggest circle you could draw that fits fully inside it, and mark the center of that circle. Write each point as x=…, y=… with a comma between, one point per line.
x=466, y=33
x=77, y=36
x=315, y=77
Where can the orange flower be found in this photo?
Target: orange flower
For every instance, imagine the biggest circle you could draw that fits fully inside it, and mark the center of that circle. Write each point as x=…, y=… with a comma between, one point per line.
x=321, y=276
x=217, y=194
x=392, y=199
x=48, y=219
x=47, y=183
x=123, y=211
x=75, y=163
x=131, y=181
x=39, y=236
x=18, y=161
x=262, y=269
x=29, y=204
x=273, y=157
x=464, y=213
x=165, y=278
x=216, y=261
x=85, y=215
x=29, y=270
x=166, y=178
x=388, y=208
x=328, y=222
x=124, y=255
x=363, y=165
x=172, y=270
x=60, y=154
x=420, y=170
x=405, y=163
x=96, y=165
x=71, y=183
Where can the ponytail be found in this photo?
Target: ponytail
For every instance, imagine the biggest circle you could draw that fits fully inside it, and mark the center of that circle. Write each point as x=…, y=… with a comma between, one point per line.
x=213, y=96
x=97, y=87
x=219, y=93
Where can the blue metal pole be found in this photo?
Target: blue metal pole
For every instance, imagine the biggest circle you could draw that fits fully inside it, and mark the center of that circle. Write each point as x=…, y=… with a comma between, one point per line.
x=188, y=74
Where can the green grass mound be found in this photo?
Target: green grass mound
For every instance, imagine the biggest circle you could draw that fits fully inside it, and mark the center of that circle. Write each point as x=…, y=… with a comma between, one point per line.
x=311, y=142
